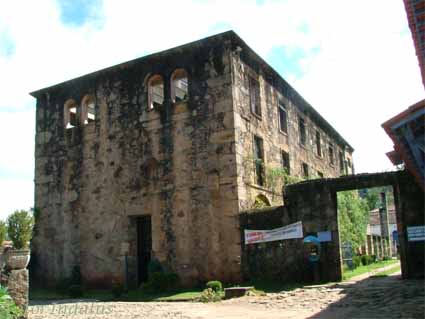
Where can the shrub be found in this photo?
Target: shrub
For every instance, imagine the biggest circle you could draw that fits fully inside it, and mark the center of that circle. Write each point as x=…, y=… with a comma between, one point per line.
x=215, y=285
x=8, y=308
x=357, y=261
x=161, y=282
x=209, y=295
x=19, y=228
x=155, y=266
x=373, y=258
x=365, y=260
x=117, y=290
x=75, y=291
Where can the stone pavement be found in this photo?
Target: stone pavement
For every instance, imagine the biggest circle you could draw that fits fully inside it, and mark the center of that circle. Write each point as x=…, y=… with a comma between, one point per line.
x=387, y=297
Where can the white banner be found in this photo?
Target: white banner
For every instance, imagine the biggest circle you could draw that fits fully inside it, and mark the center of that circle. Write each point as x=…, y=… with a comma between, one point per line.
x=291, y=231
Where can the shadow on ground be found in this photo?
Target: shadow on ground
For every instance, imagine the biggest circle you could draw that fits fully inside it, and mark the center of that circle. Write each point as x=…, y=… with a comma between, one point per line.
x=377, y=297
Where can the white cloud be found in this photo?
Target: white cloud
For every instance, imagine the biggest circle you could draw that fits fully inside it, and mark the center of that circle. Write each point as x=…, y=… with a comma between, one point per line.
x=364, y=72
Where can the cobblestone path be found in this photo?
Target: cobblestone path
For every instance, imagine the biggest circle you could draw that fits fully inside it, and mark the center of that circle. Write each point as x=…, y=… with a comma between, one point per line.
x=388, y=297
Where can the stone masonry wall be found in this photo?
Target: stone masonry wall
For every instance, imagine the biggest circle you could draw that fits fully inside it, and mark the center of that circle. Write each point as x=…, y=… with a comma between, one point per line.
x=275, y=140
x=176, y=163
x=315, y=204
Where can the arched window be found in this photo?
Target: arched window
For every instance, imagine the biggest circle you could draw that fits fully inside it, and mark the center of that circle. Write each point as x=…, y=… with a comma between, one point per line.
x=155, y=91
x=88, y=109
x=261, y=201
x=70, y=114
x=179, y=85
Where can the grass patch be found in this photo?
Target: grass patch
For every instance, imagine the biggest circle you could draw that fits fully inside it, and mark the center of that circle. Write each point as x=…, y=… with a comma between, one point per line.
x=106, y=295
x=388, y=272
x=348, y=274
x=267, y=286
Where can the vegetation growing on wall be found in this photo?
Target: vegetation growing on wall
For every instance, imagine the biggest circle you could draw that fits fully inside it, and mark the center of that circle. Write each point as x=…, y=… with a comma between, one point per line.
x=353, y=217
x=275, y=178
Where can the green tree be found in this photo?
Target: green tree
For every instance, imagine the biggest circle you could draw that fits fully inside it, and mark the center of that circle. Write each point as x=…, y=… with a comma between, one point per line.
x=3, y=231
x=353, y=217
x=19, y=228
x=373, y=196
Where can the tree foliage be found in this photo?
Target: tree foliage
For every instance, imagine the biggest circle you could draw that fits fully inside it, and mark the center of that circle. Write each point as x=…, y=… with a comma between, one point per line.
x=353, y=216
x=19, y=228
x=3, y=231
x=373, y=196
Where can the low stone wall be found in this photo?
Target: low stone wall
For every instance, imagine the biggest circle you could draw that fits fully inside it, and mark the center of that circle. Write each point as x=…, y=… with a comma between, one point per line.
x=17, y=283
x=284, y=261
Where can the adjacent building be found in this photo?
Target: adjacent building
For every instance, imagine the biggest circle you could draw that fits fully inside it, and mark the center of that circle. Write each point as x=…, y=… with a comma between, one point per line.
x=156, y=158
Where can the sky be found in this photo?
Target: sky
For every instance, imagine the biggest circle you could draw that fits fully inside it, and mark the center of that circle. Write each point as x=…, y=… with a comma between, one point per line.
x=353, y=61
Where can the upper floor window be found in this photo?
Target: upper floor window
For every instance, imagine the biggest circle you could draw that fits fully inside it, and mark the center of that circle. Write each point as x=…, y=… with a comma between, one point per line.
x=269, y=94
x=88, y=109
x=285, y=162
x=318, y=144
x=283, y=117
x=179, y=85
x=70, y=114
x=254, y=96
x=303, y=137
x=331, y=154
x=155, y=91
x=305, y=170
x=259, y=160
x=341, y=163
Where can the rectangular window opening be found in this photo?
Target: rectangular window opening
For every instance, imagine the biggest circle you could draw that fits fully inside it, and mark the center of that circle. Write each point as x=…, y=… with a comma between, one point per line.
x=331, y=154
x=303, y=137
x=259, y=160
x=254, y=96
x=283, y=117
x=285, y=162
x=341, y=163
x=305, y=170
x=318, y=144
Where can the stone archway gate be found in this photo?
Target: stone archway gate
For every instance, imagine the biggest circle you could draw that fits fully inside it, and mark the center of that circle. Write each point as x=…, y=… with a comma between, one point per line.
x=314, y=202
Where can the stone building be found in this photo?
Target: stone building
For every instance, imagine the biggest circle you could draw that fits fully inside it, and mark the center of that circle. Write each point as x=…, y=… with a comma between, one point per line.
x=157, y=156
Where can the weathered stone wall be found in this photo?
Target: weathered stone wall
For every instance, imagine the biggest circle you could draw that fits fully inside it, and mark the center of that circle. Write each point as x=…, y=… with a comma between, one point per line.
x=410, y=211
x=315, y=204
x=182, y=163
x=248, y=124
x=17, y=283
x=176, y=163
x=280, y=260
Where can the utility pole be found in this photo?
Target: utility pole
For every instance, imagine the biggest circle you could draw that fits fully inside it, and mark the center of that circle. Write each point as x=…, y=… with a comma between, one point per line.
x=385, y=234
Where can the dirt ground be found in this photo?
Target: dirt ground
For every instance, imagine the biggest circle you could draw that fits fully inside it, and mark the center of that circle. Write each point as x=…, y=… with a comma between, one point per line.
x=387, y=297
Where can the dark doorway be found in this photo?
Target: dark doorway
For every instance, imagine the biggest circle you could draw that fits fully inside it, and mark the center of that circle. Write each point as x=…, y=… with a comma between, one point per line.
x=144, y=246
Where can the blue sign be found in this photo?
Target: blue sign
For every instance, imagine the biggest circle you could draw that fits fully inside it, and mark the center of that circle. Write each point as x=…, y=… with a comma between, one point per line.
x=324, y=236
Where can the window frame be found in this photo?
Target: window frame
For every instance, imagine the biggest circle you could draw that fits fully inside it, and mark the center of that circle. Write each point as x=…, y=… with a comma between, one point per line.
x=254, y=96
x=285, y=161
x=173, y=86
x=67, y=117
x=302, y=131
x=331, y=154
x=150, y=92
x=305, y=170
x=281, y=108
x=259, y=168
x=318, y=142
